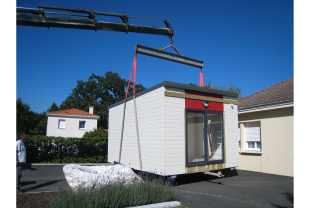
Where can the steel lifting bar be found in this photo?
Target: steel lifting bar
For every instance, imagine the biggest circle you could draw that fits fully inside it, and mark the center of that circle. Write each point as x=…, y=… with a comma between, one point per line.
x=84, y=19
x=168, y=56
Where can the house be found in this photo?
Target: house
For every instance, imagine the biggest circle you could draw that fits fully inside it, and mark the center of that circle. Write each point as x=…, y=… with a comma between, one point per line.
x=70, y=122
x=182, y=129
x=266, y=129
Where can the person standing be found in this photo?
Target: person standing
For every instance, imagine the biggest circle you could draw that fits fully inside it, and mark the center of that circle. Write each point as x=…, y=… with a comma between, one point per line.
x=20, y=159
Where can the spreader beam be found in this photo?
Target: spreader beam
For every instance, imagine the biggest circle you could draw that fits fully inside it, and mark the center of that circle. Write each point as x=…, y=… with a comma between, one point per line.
x=168, y=56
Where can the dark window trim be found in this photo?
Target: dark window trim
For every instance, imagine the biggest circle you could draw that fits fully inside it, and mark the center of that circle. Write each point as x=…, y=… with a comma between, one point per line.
x=206, y=162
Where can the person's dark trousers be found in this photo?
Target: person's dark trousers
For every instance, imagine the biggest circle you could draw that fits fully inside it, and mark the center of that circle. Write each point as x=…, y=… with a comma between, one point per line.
x=19, y=169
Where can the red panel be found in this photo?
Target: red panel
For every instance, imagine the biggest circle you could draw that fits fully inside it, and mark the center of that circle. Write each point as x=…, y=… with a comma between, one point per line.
x=198, y=104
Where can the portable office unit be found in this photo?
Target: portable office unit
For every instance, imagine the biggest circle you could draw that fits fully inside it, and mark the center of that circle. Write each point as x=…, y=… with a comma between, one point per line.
x=182, y=129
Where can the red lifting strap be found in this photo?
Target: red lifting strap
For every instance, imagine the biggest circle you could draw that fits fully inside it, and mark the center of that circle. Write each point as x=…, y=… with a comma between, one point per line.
x=134, y=82
x=201, y=80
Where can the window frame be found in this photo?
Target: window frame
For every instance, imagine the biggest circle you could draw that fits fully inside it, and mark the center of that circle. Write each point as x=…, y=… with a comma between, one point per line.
x=254, y=148
x=80, y=124
x=247, y=148
x=206, y=161
x=59, y=123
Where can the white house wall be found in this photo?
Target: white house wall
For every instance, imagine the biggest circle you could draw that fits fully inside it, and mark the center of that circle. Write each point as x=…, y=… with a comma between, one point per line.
x=151, y=127
x=161, y=122
x=71, y=126
x=174, y=133
x=231, y=133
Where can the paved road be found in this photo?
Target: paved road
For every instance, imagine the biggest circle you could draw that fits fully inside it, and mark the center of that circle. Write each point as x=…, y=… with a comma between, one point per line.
x=240, y=189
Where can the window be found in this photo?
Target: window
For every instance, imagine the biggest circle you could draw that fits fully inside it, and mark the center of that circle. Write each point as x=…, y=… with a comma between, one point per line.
x=252, y=136
x=61, y=124
x=204, y=137
x=214, y=137
x=82, y=125
x=195, y=144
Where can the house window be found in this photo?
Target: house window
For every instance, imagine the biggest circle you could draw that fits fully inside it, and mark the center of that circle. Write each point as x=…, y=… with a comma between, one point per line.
x=82, y=125
x=61, y=124
x=204, y=137
x=252, y=136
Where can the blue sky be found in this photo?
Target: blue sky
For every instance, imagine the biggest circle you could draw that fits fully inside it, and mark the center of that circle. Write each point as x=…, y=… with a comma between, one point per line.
x=246, y=43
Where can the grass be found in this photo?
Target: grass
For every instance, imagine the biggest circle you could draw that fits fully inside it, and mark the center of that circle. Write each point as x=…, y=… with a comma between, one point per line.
x=152, y=190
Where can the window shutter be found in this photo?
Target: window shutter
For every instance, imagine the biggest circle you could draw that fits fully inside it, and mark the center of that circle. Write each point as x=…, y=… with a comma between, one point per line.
x=252, y=132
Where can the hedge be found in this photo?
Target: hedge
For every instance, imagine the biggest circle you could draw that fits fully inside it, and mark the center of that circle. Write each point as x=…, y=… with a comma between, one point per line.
x=47, y=149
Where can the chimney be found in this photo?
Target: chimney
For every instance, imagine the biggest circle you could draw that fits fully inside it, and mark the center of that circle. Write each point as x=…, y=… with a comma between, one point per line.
x=91, y=109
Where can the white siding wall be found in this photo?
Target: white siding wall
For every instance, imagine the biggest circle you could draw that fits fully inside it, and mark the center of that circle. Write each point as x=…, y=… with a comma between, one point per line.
x=151, y=128
x=71, y=126
x=162, y=133
x=174, y=122
x=231, y=133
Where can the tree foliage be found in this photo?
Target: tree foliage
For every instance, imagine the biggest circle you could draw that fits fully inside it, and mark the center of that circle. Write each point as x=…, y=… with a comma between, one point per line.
x=99, y=132
x=100, y=92
x=30, y=122
x=230, y=88
x=53, y=107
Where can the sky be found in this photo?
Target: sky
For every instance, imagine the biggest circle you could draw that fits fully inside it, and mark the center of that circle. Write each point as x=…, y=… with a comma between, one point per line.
x=246, y=43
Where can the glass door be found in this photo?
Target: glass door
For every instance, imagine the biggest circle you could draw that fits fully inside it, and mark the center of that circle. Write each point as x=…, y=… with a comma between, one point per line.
x=195, y=137
x=204, y=137
x=214, y=137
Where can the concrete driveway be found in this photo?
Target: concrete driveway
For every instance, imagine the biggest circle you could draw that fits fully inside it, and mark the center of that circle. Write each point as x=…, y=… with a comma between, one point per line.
x=238, y=189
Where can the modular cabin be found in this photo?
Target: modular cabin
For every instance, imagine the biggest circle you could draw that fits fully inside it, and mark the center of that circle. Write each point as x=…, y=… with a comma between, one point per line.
x=182, y=129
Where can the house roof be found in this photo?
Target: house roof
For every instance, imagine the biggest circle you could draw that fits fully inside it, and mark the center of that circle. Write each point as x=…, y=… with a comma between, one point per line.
x=72, y=112
x=179, y=86
x=278, y=93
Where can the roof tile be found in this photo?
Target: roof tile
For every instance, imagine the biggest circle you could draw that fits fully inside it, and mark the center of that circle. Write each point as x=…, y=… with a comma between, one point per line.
x=72, y=112
x=281, y=92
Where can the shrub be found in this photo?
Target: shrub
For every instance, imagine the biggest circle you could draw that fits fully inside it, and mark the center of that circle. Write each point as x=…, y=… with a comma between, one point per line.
x=152, y=190
x=44, y=149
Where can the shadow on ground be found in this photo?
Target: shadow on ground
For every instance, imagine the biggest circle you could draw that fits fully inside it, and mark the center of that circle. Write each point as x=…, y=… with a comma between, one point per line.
x=40, y=185
x=198, y=177
x=289, y=198
x=27, y=183
x=191, y=178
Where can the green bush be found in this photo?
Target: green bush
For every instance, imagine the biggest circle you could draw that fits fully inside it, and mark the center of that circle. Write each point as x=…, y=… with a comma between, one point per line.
x=45, y=149
x=152, y=190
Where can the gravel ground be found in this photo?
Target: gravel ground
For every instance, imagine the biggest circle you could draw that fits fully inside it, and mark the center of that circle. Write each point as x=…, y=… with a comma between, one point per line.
x=32, y=200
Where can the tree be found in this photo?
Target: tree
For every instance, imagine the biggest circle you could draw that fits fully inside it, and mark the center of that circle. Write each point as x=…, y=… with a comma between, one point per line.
x=231, y=88
x=22, y=114
x=53, y=107
x=100, y=92
x=28, y=121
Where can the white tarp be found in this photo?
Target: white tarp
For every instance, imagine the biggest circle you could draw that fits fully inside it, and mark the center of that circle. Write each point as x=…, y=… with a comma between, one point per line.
x=96, y=176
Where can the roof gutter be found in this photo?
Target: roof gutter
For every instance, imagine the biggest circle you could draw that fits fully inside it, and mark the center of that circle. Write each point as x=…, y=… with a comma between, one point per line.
x=272, y=106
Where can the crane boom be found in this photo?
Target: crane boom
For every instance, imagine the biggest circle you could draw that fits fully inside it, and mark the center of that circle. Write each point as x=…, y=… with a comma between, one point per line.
x=78, y=20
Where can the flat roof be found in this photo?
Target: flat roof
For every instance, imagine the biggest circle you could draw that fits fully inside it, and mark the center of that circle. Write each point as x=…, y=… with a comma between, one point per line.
x=179, y=86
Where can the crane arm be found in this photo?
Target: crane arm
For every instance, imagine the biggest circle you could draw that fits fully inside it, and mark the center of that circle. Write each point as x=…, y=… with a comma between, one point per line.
x=84, y=19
